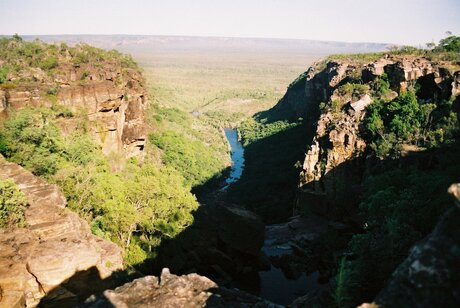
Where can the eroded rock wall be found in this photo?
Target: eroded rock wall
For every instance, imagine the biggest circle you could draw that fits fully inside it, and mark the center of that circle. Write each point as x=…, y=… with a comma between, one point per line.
x=55, y=246
x=334, y=164
x=110, y=100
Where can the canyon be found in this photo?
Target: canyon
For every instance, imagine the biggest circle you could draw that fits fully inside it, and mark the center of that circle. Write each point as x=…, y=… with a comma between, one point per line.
x=231, y=253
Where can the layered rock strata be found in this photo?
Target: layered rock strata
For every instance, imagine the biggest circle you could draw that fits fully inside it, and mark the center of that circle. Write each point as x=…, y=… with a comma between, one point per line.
x=55, y=248
x=108, y=99
x=334, y=164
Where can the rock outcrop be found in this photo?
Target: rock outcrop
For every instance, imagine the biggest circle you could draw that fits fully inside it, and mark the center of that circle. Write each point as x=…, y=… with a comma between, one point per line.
x=110, y=100
x=115, y=101
x=335, y=164
x=55, y=258
x=169, y=290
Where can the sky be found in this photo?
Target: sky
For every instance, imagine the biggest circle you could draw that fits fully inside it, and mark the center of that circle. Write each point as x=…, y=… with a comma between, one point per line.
x=413, y=22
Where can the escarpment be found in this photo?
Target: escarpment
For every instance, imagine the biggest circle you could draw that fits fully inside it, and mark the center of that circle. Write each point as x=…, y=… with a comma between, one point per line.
x=333, y=98
x=97, y=89
x=55, y=258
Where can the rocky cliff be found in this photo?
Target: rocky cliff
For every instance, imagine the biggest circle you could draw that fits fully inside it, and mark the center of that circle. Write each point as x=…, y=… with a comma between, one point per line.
x=348, y=104
x=103, y=92
x=333, y=97
x=55, y=258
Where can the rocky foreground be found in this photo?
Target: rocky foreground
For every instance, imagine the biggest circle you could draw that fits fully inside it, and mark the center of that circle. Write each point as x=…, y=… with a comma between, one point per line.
x=169, y=290
x=55, y=258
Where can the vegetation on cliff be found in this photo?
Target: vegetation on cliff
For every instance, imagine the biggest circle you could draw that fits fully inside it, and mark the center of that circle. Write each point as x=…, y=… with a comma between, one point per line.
x=135, y=207
x=403, y=120
x=12, y=205
x=402, y=157
x=184, y=148
x=20, y=59
x=411, y=131
x=399, y=208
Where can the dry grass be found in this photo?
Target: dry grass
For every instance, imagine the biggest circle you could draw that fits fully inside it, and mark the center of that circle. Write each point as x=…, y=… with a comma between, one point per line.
x=215, y=81
x=223, y=87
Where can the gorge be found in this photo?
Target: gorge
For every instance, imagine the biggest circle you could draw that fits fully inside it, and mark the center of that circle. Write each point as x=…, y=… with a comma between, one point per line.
x=336, y=195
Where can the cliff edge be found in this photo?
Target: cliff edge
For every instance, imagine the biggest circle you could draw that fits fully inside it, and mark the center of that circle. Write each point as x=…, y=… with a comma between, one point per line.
x=55, y=246
x=105, y=90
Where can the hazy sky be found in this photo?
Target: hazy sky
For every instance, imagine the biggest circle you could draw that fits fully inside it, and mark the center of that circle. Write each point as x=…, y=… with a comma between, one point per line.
x=392, y=21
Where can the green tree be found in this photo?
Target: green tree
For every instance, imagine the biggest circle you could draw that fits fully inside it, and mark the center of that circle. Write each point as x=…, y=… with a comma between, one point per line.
x=450, y=43
x=33, y=141
x=404, y=116
x=49, y=63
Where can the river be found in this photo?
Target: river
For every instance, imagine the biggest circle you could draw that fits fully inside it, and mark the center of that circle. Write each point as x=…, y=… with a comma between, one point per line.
x=272, y=284
x=237, y=155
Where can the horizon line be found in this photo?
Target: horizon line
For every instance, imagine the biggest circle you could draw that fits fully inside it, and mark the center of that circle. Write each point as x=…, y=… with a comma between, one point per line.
x=214, y=36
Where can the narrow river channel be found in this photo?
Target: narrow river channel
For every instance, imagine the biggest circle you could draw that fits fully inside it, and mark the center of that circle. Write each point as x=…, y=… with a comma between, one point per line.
x=237, y=155
x=272, y=284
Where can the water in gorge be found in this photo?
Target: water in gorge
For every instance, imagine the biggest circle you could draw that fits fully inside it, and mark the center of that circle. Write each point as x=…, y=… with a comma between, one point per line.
x=237, y=155
x=271, y=284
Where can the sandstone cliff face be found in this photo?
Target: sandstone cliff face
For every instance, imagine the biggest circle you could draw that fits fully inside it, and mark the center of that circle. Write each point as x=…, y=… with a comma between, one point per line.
x=55, y=246
x=335, y=164
x=112, y=99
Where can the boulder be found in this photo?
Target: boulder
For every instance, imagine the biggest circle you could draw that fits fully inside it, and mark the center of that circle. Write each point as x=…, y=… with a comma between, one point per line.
x=362, y=103
x=169, y=290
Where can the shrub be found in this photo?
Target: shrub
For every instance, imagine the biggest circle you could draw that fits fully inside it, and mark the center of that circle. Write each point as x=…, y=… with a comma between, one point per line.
x=343, y=284
x=3, y=75
x=80, y=57
x=382, y=85
x=12, y=205
x=194, y=160
x=33, y=141
x=49, y=63
x=354, y=89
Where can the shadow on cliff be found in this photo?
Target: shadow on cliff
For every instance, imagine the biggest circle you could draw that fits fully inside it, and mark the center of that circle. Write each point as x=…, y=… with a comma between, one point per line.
x=270, y=178
x=216, y=245
x=82, y=284
x=224, y=241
